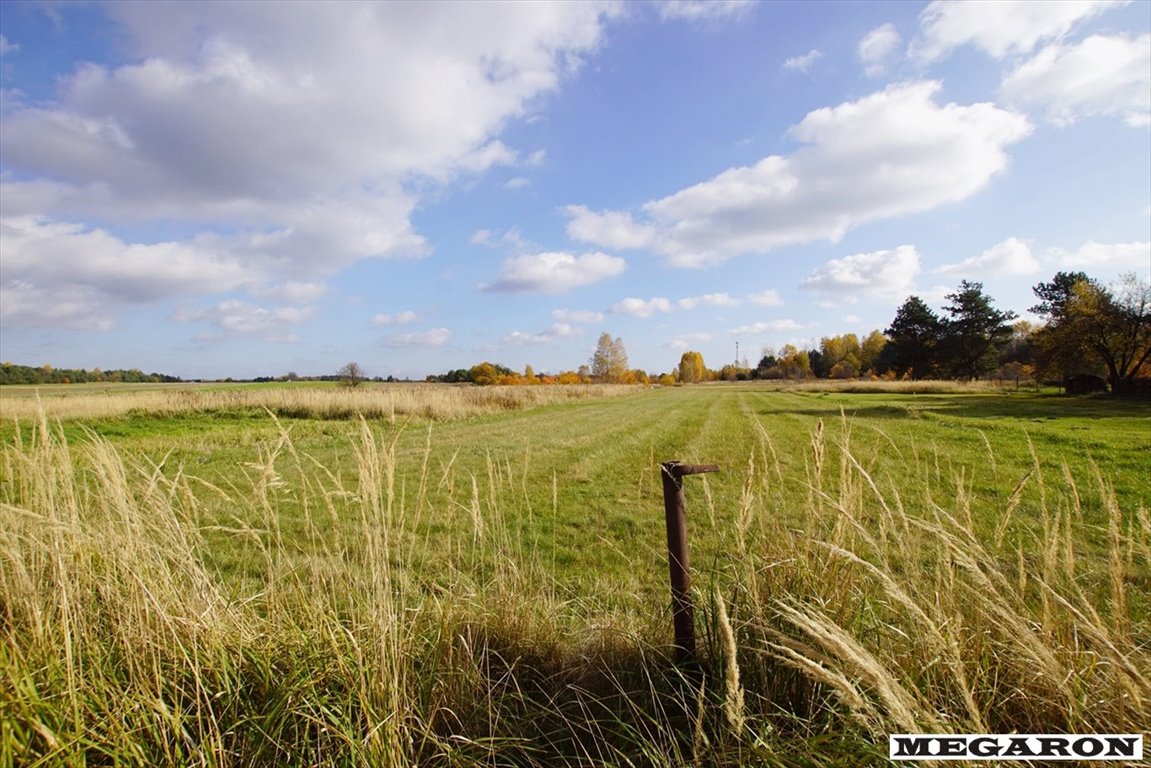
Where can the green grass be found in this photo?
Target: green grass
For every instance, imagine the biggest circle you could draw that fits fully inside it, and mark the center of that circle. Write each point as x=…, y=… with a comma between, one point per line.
x=224, y=587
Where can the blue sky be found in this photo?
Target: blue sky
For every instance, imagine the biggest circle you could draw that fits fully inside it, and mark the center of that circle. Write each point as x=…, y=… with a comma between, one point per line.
x=246, y=189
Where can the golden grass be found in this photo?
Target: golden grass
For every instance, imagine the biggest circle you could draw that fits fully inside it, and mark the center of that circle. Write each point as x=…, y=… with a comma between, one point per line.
x=371, y=401
x=119, y=644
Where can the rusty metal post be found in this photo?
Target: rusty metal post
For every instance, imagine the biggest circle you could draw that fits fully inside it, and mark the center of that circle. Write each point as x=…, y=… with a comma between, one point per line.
x=683, y=612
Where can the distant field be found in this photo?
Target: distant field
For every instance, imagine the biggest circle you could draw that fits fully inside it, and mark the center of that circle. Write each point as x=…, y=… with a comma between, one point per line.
x=884, y=560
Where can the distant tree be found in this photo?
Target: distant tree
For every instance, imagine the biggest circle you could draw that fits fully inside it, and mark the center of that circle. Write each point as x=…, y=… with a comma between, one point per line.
x=609, y=362
x=691, y=368
x=351, y=375
x=914, y=337
x=766, y=364
x=835, y=350
x=793, y=363
x=1089, y=324
x=820, y=367
x=974, y=332
x=486, y=374
x=870, y=352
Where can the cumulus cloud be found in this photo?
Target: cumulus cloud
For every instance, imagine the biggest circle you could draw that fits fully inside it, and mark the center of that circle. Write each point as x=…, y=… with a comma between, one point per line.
x=1100, y=76
x=876, y=48
x=689, y=340
x=7, y=47
x=707, y=300
x=297, y=292
x=77, y=272
x=803, y=63
x=557, y=331
x=701, y=10
x=436, y=337
x=1136, y=255
x=641, y=307
x=1010, y=257
x=893, y=153
x=222, y=123
x=879, y=273
x=577, y=316
x=554, y=272
x=768, y=298
x=406, y=317
x=1000, y=29
x=234, y=317
x=611, y=229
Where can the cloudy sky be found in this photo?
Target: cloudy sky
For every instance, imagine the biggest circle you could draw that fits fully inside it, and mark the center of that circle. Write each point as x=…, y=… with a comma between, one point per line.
x=243, y=189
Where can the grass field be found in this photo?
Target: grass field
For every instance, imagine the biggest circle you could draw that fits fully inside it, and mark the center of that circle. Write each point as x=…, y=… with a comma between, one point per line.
x=473, y=576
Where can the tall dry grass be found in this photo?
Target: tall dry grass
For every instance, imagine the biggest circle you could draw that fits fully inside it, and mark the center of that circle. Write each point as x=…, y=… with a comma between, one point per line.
x=856, y=605
x=371, y=401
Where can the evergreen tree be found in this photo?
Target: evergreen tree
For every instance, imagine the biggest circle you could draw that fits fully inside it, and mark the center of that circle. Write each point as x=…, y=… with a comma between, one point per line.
x=914, y=336
x=974, y=332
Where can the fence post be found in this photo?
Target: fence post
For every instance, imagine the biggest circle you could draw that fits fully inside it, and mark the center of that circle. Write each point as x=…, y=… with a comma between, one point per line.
x=683, y=612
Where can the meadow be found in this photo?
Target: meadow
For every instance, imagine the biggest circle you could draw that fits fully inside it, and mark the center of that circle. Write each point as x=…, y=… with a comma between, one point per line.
x=435, y=575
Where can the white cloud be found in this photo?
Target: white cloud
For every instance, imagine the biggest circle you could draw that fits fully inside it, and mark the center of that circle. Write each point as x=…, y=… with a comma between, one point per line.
x=297, y=292
x=436, y=337
x=1011, y=257
x=577, y=316
x=7, y=47
x=768, y=298
x=707, y=299
x=406, y=317
x=876, y=48
x=491, y=154
x=1100, y=76
x=536, y=158
x=557, y=331
x=880, y=273
x=803, y=63
x=766, y=327
x=893, y=153
x=999, y=29
x=689, y=340
x=519, y=182
x=611, y=229
x=77, y=273
x=1134, y=255
x=234, y=317
x=702, y=10
x=512, y=238
x=225, y=121
x=554, y=272
x=641, y=307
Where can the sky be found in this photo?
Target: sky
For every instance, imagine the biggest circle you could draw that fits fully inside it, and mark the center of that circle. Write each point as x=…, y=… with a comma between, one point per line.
x=246, y=189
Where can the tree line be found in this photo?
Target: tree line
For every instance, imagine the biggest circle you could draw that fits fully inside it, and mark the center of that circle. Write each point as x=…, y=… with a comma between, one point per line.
x=10, y=373
x=1087, y=330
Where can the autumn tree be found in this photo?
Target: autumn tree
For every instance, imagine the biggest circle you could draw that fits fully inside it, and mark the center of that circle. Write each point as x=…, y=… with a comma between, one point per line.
x=1091, y=325
x=841, y=356
x=691, y=368
x=609, y=363
x=793, y=363
x=351, y=375
x=870, y=351
x=914, y=338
